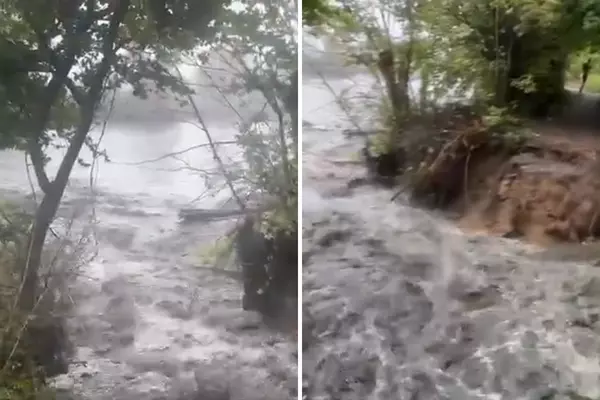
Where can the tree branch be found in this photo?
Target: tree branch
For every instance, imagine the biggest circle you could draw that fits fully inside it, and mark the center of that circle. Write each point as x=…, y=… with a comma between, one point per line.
x=37, y=159
x=213, y=147
x=77, y=93
x=272, y=100
x=93, y=95
x=52, y=91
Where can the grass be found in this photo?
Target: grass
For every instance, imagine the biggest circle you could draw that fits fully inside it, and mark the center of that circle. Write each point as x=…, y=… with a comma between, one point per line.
x=592, y=85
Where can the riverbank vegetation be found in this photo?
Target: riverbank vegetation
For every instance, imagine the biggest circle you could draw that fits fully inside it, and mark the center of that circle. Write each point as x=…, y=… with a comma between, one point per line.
x=60, y=65
x=259, y=57
x=491, y=130
x=33, y=344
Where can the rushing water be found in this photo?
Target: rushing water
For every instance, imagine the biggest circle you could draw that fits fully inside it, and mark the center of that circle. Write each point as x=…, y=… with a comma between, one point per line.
x=400, y=304
x=147, y=323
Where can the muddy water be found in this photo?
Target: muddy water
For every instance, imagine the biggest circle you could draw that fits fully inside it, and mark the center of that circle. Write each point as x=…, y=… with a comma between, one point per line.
x=399, y=304
x=148, y=323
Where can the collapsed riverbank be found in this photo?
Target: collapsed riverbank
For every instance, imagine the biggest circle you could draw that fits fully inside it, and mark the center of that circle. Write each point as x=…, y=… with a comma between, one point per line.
x=399, y=303
x=537, y=181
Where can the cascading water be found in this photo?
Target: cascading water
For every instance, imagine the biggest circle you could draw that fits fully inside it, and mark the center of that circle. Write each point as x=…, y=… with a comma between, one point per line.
x=147, y=323
x=400, y=304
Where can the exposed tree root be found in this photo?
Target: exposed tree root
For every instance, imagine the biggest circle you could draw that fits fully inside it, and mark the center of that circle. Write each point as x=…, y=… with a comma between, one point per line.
x=543, y=188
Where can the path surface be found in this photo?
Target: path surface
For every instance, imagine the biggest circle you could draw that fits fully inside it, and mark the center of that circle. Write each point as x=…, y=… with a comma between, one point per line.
x=400, y=304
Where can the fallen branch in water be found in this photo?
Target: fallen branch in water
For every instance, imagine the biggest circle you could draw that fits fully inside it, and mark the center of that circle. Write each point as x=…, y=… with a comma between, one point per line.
x=232, y=274
x=349, y=133
x=398, y=193
x=201, y=214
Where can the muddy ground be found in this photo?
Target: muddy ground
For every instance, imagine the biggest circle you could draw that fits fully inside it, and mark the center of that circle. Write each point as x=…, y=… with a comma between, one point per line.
x=546, y=193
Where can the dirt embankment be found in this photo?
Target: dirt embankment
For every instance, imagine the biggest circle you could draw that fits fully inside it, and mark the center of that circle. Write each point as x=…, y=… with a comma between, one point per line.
x=546, y=193
x=545, y=189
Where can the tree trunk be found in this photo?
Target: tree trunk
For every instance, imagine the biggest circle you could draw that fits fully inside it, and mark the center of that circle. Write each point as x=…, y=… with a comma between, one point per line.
x=386, y=65
x=535, y=54
x=47, y=210
x=55, y=189
x=549, y=84
x=43, y=219
x=291, y=104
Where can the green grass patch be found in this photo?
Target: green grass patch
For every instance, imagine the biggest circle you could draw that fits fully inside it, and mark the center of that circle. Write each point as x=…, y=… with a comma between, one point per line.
x=574, y=73
x=217, y=253
x=592, y=85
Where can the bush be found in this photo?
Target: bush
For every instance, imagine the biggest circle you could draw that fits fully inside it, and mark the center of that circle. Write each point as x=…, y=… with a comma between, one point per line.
x=33, y=346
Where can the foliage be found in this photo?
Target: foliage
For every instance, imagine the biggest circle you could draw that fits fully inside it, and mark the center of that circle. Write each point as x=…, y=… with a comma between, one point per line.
x=313, y=11
x=323, y=12
x=28, y=29
x=503, y=51
x=220, y=249
x=505, y=128
x=19, y=378
x=58, y=60
x=258, y=45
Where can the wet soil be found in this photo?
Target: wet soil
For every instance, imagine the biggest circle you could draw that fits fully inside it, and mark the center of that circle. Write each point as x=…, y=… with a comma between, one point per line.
x=545, y=194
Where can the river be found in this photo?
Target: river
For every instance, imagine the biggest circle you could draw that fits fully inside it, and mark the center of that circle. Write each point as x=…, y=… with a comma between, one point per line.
x=148, y=323
x=400, y=304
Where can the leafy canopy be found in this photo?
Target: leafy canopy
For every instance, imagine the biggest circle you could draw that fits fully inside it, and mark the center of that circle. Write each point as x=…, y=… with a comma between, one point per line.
x=40, y=39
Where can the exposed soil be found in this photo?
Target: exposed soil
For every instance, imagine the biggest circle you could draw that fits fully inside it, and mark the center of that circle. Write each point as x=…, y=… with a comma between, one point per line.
x=546, y=191
x=549, y=192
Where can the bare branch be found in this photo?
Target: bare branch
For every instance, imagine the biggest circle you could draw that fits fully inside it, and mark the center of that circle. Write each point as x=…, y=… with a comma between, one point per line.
x=213, y=148
x=37, y=159
x=272, y=100
x=176, y=153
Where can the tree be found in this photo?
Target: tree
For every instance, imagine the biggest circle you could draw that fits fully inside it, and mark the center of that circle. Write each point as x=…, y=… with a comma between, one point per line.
x=258, y=50
x=313, y=11
x=258, y=47
x=85, y=49
x=511, y=53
